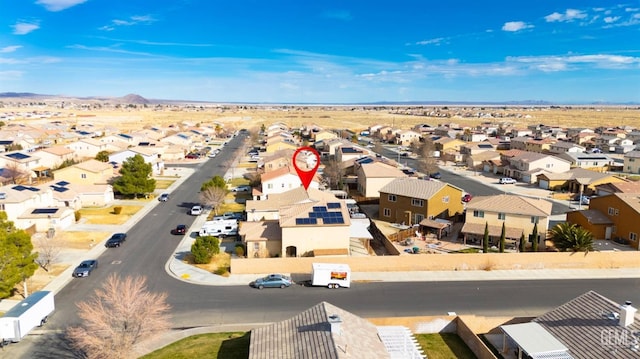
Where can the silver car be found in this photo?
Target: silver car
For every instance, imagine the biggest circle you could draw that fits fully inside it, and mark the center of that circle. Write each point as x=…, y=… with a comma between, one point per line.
x=85, y=268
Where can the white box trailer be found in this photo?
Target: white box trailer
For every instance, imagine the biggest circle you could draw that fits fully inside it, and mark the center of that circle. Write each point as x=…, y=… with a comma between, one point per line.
x=31, y=312
x=331, y=275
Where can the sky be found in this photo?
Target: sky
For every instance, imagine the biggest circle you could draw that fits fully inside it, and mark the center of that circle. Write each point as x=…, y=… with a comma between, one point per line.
x=332, y=51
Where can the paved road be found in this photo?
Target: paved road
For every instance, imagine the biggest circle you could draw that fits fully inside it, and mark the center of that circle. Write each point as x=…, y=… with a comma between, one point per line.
x=150, y=244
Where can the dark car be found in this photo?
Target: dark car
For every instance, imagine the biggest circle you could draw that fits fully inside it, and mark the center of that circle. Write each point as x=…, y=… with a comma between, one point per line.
x=272, y=281
x=85, y=268
x=116, y=240
x=180, y=229
x=192, y=156
x=435, y=175
x=467, y=197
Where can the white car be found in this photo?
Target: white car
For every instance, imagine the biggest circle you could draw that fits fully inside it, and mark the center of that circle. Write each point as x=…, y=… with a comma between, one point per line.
x=196, y=210
x=243, y=188
x=507, y=180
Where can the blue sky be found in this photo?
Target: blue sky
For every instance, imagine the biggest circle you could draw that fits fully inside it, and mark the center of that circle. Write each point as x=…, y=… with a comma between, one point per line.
x=347, y=51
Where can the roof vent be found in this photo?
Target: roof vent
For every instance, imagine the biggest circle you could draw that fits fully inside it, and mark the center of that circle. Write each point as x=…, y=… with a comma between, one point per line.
x=627, y=314
x=336, y=324
x=3, y=195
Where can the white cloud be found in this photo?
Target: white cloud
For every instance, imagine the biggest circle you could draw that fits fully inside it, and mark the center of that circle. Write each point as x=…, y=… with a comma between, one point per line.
x=572, y=62
x=514, y=26
x=569, y=15
x=611, y=19
x=436, y=41
x=133, y=20
x=23, y=28
x=8, y=49
x=59, y=5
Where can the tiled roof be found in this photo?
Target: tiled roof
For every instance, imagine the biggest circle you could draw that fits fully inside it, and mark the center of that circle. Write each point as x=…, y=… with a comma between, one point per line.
x=58, y=150
x=289, y=214
x=308, y=335
x=93, y=166
x=380, y=170
x=631, y=199
x=414, y=188
x=594, y=216
x=506, y=203
x=261, y=231
x=296, y=195
x=586, y=326
x=494, y=231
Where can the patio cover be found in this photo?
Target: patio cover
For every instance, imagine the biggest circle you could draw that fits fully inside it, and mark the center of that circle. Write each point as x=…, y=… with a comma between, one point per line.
x=536, y=341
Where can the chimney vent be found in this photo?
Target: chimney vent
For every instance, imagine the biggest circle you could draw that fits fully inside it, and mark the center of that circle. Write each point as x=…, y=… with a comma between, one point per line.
x=627, y=314
x=336, y=324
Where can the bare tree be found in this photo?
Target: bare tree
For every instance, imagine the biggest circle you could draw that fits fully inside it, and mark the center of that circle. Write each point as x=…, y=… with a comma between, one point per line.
x=48, y=252
x=15, y=174
x=122, y=313
x=333, y=172
x=426, y=162
x=213, y=197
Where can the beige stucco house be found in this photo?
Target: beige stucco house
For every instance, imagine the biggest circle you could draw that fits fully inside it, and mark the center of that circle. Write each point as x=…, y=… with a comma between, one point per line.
x=87, y=172
x=373, y=176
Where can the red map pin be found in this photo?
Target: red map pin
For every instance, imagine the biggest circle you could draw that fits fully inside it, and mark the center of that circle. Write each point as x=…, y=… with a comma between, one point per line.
x=306, y=161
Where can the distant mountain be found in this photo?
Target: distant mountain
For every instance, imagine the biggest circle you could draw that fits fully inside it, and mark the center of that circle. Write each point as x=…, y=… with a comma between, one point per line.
x=19, y=94
x=134, y=99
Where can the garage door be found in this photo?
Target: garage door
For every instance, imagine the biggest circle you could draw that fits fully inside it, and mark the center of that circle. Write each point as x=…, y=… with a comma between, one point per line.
x=544, y=184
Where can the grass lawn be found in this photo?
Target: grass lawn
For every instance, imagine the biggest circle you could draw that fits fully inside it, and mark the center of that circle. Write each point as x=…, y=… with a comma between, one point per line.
x=106, y=215
x=214, y=345
x=238, y=181
x=231, y=207
x=163, y=184
x=444, y=346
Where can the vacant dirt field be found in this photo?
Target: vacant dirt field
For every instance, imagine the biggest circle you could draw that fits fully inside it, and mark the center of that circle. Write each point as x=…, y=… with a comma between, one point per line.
x=346, y=117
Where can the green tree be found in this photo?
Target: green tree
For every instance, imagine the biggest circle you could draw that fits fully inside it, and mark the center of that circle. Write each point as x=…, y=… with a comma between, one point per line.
x=17, y=260
x=354, y=138
x=523, y=243
x=204, y=248
x=503, y=238
x=485, y=239
x=216, y=182
x=135, y=177
x=534, y=238
x=570, y=237
x=102, y=156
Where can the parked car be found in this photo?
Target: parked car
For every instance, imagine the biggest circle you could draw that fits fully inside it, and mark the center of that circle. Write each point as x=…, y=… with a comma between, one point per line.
x=180, y=229
x=507, y=180
x=85, y=268
x=272, y=281
x=435, y=175
x=163, y=197
x=196, y=210
x=243, y=188
x=467, y=197
x=192, y=156
x=585, y=200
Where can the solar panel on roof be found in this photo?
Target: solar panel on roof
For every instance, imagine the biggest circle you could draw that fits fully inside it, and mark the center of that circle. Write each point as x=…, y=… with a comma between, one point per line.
x=17, y=156
x=33, y=189
x=306, y=221
x=333, y=205
x=59, y=189
x=62, y=183
x=319, y=209
x=19, y=188
x=44, y=211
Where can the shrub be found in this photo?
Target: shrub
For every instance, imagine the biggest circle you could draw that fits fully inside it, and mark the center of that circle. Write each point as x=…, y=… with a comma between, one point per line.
x=117, y=210
x=204, y=248
x=240, y=250
x=77, y=215
x=223, y=271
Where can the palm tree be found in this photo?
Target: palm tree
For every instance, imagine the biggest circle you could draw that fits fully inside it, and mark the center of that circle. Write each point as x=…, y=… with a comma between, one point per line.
x=570, y=237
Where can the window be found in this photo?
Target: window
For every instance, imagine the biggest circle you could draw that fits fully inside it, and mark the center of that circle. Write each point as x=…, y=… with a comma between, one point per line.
x=479, y=214
x=386, y=212
x=270, y=185
x=417, y=202
x=392, y=198
x=418, y=218
x=502, y=216
x=613, y=211
x=445, y=199
x=1, y=206
x=535, y=219
x=633, y=236
x=83, y=175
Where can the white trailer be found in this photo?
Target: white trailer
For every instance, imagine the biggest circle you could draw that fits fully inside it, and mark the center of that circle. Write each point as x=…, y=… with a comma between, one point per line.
x=221, y=228
x=31, y=312
x=330, y=275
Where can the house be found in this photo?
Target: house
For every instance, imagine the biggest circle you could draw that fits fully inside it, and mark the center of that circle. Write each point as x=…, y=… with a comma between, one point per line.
x=346, y=153
x=447, y=143
x=409, y=201
x=87, y=172
x=576, y=180
x=469, y=149
x=325, y=331
x=54, y=156
x=519, y=143
x=539, y=145
x=375, y=175
x=528, y=165
x=88, y=147
x=269, y=208
x=280, y=144
x=632, y=162
x=477, y=161
x=588, y=326
x=564, y=146
x=314, y=229
x=407, y=137
x=150, y=155
x=324, y=135
x=617, y=187
x=34, y=207
x=20, y=163
x=621, y=209
x=278, y=160
x=282, y=180
x=519, y=215
x=587, y=160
